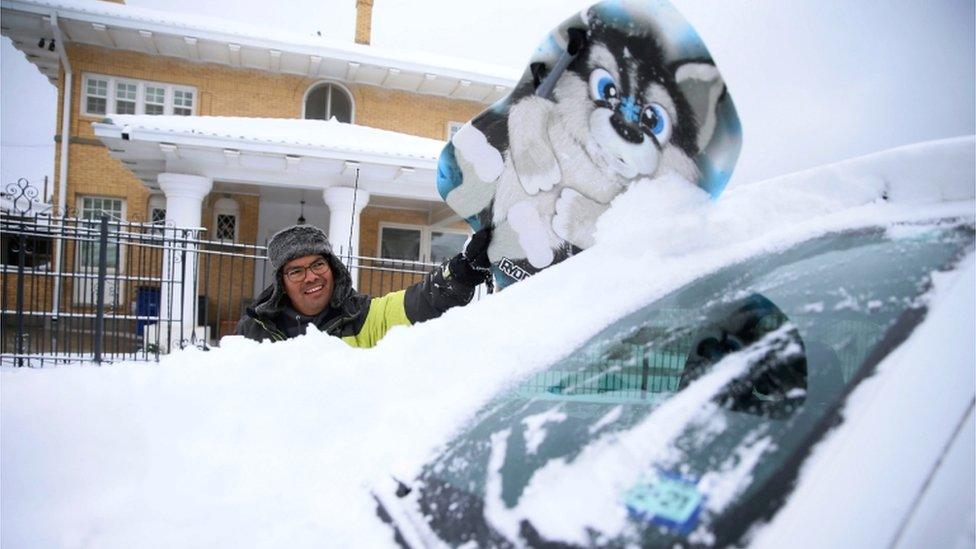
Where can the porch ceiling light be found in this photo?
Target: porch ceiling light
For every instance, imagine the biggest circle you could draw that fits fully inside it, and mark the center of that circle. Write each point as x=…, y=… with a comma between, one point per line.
x=350, y=166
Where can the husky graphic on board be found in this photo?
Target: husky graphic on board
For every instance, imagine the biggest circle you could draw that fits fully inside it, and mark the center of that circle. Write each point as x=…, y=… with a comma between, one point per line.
x=615, y=107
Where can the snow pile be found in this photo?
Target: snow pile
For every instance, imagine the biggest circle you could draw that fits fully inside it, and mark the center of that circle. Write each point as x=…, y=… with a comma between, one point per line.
x=271, y=445
x=325, y=134
x=669, y=216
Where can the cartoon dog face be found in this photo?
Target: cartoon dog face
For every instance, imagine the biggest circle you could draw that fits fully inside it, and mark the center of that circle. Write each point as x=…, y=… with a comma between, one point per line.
x=628, y=107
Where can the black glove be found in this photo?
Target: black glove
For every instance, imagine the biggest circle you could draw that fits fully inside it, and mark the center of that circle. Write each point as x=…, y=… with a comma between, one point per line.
x=471, y=267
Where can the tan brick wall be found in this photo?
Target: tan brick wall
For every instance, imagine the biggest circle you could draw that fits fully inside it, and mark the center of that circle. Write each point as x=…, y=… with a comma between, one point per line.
x=423, y=115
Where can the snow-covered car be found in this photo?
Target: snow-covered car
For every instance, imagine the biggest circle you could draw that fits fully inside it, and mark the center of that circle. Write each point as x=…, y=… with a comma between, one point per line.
x=690, y=421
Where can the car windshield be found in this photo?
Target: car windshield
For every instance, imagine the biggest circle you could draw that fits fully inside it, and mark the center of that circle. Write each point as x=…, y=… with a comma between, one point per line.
x=686, y=422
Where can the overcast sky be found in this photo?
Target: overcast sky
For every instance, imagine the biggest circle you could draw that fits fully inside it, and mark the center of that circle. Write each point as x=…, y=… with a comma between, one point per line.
x=813, y=81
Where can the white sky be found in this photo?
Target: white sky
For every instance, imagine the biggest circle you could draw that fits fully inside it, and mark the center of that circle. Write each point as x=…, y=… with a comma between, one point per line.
x=813, y=83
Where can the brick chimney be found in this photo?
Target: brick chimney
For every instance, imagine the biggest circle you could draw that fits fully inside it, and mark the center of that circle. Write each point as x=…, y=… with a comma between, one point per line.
x=364, y=20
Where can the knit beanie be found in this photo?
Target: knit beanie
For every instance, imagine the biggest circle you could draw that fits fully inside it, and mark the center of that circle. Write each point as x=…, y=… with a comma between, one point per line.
x=295, y=242
x=299, y=241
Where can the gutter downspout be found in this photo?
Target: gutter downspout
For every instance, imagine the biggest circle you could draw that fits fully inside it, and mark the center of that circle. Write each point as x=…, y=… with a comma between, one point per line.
x=63, y=167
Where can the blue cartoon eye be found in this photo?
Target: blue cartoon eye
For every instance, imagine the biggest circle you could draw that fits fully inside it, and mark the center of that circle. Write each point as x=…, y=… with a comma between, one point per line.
x=656, y=121
x=602, y=86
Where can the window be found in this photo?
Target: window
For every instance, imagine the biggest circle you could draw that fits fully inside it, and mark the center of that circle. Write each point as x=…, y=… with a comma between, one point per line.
x=444, y=246
x=157, y=213
x=328, y=101
x=155, y=101
x=158, y=216
x=226, y=212
x=398, y=243
x=182, y=102
x=85, y=289
x=125, y=97
x=96, y=94
x=226, y=227
x=92, y=208
x=413, y=243
x=108, y=94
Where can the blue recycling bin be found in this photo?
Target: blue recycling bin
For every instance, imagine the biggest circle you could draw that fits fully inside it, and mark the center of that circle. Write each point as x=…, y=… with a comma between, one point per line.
x=147, y=304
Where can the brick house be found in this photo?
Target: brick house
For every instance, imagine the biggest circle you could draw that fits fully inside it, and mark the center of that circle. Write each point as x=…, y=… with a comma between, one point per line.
x=242, y=130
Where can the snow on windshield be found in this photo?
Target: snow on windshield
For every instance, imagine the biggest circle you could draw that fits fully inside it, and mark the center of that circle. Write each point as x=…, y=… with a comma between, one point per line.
x=554, y=500
x=271, y=445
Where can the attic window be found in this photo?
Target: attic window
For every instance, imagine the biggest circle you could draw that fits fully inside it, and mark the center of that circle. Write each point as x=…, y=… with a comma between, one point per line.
x=326, y=101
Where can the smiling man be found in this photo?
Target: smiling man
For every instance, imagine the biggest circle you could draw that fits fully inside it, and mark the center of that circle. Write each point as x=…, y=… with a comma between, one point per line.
x=313, y=287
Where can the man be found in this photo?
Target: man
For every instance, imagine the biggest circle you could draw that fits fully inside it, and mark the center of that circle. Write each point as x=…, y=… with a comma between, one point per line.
x=312, y=286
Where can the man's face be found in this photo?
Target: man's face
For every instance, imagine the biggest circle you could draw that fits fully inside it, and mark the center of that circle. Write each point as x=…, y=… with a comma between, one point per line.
x=308, y=283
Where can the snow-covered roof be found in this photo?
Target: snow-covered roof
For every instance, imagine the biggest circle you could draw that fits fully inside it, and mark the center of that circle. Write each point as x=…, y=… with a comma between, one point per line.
x=272, y=151
x=212, y=40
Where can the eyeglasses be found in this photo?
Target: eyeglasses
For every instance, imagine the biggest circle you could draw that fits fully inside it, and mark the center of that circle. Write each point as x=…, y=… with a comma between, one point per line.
x=297, y=273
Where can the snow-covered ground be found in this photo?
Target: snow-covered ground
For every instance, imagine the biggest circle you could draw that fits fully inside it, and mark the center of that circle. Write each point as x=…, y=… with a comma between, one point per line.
x=277, y=445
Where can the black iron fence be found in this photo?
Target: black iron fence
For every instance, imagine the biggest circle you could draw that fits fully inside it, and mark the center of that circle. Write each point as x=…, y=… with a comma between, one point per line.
x=106, y=290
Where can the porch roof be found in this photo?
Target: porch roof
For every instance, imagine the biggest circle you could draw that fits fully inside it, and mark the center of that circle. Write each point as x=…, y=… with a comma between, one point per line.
x=311, y=154
x=212, y=40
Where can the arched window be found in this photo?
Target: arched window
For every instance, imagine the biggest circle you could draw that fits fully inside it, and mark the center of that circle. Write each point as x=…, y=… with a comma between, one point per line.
x=226, y=216
x=326, y=101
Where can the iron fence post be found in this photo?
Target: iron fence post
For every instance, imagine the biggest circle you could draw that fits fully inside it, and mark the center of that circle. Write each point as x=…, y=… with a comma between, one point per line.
x=183, y=290
x=21, y=261
x=100, y=297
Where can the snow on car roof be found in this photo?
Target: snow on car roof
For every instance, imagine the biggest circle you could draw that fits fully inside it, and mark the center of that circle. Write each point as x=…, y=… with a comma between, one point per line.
x=279, y=444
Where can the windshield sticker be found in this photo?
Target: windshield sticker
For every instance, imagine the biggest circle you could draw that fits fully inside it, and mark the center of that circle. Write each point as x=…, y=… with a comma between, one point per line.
x=668, y=500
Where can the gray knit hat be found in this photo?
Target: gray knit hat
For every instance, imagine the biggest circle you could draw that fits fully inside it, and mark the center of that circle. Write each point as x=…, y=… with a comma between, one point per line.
x=295, y=242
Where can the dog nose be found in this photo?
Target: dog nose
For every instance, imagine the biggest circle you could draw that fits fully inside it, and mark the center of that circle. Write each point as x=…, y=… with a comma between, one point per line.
x=629, y=132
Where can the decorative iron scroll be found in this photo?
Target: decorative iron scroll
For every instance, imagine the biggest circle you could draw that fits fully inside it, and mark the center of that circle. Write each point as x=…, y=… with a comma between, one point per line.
x=22, y=195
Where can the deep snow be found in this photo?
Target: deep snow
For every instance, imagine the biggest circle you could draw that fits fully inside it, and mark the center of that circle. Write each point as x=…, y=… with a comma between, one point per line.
x=277, y=445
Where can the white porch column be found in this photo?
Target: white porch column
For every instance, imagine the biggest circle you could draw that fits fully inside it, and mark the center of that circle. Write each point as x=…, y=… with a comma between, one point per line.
x=178, y=299
x=344, y=219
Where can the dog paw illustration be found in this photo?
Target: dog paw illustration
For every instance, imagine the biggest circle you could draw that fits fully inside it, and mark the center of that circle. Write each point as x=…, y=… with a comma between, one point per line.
x=531, y=230
x=537, y=168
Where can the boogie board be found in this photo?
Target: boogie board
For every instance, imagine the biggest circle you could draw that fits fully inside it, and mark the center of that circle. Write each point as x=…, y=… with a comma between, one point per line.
x=621, y=92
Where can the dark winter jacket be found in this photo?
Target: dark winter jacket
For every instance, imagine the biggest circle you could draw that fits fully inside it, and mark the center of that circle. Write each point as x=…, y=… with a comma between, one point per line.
x=360, y=320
